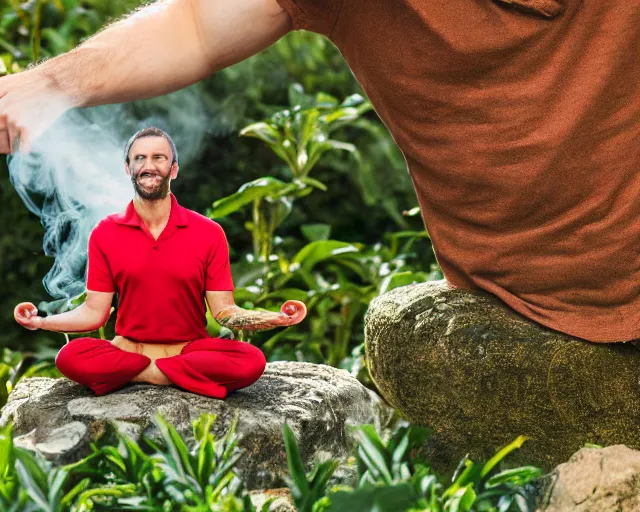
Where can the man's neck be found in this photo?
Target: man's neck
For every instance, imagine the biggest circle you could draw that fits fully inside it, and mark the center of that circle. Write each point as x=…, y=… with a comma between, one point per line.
x=154, y=214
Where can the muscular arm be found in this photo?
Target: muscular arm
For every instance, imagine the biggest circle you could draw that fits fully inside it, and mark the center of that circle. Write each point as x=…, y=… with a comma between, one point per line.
x=89, y=316
x=228, y=314
x=161, y=48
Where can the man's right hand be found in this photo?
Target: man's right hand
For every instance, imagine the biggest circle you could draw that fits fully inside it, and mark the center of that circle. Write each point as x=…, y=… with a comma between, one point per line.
x=29, y=103
x=26, y=314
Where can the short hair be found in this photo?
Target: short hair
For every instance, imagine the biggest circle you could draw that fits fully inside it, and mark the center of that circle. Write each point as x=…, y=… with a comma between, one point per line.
x=151, y=131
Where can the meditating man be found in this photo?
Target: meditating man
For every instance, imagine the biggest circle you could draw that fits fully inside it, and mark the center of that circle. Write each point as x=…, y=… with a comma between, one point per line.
x=162, y=261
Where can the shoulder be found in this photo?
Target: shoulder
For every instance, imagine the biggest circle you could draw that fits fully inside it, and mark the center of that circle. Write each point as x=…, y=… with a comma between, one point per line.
x=106, y=227
x=204, y=224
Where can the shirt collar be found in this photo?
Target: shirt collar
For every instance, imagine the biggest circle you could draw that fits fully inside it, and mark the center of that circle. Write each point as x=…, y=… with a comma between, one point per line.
x=177, y=216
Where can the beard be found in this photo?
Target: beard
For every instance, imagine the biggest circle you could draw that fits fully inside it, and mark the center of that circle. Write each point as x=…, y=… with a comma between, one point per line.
x=159, y=189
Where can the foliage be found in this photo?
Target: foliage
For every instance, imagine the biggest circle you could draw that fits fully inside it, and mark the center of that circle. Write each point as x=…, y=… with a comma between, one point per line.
x=362, y=201
x=391, y=479
x=172, y=475
x=337, y=279
x=18, y=365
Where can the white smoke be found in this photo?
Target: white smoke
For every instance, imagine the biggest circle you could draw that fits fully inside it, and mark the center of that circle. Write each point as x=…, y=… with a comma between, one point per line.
x=75, y=176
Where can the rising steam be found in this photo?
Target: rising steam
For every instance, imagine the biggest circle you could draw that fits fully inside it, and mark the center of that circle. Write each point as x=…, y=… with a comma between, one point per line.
x=74, y=177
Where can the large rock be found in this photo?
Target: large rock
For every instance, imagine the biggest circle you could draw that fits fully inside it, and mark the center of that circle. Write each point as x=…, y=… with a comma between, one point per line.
x=479, y=374
x=595, y=480
x=59, y=418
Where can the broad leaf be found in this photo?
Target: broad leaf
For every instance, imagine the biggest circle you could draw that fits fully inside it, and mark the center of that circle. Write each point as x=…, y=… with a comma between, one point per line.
x=257, y=189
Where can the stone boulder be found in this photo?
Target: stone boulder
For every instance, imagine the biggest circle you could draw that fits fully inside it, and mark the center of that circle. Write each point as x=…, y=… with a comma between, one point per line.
x=59, y=418
x=480, y=374
x=595, y=479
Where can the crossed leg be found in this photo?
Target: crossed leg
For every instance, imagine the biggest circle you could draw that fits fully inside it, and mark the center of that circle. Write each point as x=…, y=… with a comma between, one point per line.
x=208, y=366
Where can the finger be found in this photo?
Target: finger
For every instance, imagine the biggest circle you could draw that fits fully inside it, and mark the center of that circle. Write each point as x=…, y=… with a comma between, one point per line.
x=4, y=142
x=13, y=136
x=295, y=310
x=19, y=310
x=4, y=133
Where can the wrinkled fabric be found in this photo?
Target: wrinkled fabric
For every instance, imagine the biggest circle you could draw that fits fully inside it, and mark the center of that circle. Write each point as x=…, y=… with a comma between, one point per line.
x=520, y=124
x=210, y=366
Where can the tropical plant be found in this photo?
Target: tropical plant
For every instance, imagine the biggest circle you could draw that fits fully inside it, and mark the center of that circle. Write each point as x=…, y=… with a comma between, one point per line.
x=299, y=136
x=392, y=479
x=173, y=477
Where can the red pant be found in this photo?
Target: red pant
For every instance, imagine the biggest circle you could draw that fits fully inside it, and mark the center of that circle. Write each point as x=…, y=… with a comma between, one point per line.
x=209, y=366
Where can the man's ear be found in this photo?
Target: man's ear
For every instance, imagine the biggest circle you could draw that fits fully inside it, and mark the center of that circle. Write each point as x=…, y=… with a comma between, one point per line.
x=126, y=169
x=174, y=170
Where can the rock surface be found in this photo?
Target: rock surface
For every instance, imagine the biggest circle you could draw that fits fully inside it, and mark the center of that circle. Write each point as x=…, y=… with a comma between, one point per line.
x=596, y=480
x=479, y=374
x=59, y=418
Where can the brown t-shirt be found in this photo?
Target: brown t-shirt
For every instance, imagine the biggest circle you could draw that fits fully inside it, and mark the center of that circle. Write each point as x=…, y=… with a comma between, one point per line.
x=521, y=131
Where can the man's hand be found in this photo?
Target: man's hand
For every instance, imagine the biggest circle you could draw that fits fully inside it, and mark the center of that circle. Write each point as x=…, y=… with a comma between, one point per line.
x=26, y=314
x=228, y=314
x=29, y=103
x=294, y=312
x=161, y=48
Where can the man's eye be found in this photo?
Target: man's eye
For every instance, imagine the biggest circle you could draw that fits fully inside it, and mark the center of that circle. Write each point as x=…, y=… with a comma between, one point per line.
x=139, y=158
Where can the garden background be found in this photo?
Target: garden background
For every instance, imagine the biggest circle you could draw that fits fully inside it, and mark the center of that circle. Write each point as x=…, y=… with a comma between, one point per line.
x=317, y=205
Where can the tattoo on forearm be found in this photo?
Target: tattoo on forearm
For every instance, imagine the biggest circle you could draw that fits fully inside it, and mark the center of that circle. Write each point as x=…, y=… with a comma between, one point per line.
x=244, y=319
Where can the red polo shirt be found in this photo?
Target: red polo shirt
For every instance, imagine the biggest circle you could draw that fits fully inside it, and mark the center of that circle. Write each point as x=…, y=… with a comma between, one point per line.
x=160, y=283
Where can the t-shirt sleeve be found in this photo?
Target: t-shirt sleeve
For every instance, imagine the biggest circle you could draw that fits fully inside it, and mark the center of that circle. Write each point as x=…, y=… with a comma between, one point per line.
x=318, y=16
x=99, y=278
x=218, y=275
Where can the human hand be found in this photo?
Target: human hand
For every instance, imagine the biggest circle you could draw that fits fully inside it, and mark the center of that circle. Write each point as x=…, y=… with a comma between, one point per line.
x=29, y=103
x=294, y=312
x=26, y=314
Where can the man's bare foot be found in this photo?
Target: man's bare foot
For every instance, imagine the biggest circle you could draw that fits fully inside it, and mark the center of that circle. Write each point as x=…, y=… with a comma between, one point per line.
x=152, y=375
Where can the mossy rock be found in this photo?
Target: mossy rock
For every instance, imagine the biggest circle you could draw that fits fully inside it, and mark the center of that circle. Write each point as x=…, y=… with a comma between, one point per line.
x=480, y=374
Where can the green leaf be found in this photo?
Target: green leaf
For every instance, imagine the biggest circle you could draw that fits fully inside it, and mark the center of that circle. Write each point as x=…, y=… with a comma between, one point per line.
x=470, y=474
x=258, y=189
x=374, y=452
x=316, y=232
x=502, y=453
x=516, y=476
x=286, y=294
x=392, y=498
x=263, y=131
x=462, y=500
x=340, y=114
x=178, y=451
x=296, y=466
x=6, y=450
x=314, y=183
x=315, y=252
x=31, y=478
x=398, y=279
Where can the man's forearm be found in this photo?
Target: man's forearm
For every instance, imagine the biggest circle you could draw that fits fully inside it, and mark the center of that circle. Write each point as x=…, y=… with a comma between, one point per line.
x=154, y=51
x=237, y=318
x=81, y=319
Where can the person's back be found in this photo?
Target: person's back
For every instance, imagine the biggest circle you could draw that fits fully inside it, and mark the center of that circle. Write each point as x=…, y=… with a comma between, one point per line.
x=522, y=135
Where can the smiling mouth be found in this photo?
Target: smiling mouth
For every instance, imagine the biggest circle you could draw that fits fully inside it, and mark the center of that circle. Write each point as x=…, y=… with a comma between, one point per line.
x=148, y=176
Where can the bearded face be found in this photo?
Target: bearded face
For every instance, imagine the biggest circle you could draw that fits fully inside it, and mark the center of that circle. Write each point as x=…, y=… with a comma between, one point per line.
x=150, y=167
